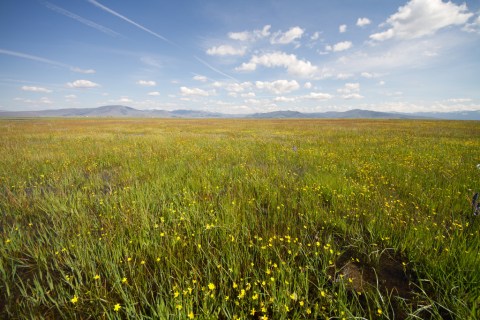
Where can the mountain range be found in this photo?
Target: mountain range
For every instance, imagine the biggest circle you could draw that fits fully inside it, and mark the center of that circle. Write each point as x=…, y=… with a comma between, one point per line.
x=115, y=111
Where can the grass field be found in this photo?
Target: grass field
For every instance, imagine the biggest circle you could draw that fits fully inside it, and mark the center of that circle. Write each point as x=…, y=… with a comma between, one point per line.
x=239, y=219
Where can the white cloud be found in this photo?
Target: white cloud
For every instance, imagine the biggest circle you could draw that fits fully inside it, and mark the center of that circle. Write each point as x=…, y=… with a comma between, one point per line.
x=284, y=99
x=36, y=89
x=342, y=28
x=420, y=18
x=459, y=100
x=343, y=76
x=194, y=92
x=44, y=60
x=226, y=50
x=151, y=61
x=319, y=96
x=315, y=36
x=351, y=90
x=125, y=100
x=278, y=86
x=45, y=100
x=307, y=85
x=154, y=93
x=248, y=95
x=233, y=87
x=361, y=22
x=200, y=78
x=250, y=35
x=369, y=75
x=288, y=37
x=352, y=96
x=42, y=100
x=238, y=87
x=474, y=26
x=147, y=83
x=70, y=96
x=84, y=71
x=340, y=46
x=293, y=65
x=82, y=84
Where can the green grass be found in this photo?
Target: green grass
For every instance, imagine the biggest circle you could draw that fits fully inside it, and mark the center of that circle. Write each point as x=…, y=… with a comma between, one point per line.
x=226, y=219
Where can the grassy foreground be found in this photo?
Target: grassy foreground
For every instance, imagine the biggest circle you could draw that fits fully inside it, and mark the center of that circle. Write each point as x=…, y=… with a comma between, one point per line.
x=239, y=219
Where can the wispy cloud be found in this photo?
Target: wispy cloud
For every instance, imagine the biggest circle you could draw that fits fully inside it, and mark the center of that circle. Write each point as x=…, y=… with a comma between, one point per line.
x=44, y=60
x=107, y=9
x=215, y=69
x=147, y=83
x=36, y=89
x=82, y=84
x=76, y=17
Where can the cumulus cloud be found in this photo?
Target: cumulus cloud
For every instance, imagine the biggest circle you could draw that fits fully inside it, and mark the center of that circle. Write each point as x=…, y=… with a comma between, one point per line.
x=42, y=100
x=147, y=83
x=194, y=92
x=319, y=96
x=235, y=87
x=200, y=78
x=250, y=35
x=278, y=86
x=351, y=90
x=342, y=28
x=419, y=18
x=307, y=85
x=361, y=22
x=369, y=75
x=293, y=65
x=154, y=93
x=226, y=50
x=315, y=36
x=85, y=71
x=284, y=99
x=340, y=46
x=82, y=84
x=343, y=76
x=288, y=37
x=36, y=89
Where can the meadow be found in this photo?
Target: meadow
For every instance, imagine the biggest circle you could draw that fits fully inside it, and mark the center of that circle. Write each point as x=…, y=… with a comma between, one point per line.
x=239, y=219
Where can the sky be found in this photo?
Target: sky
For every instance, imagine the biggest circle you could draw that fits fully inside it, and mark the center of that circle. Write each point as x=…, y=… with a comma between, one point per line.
x=241, y=57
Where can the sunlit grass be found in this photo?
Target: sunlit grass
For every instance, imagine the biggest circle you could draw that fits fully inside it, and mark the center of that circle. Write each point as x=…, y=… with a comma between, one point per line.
x=239, y=219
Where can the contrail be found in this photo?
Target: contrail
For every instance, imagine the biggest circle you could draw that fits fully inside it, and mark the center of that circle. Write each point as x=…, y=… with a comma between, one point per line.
x=215, y=69
x=44, y=60
x=101, y=6
x=86, y=22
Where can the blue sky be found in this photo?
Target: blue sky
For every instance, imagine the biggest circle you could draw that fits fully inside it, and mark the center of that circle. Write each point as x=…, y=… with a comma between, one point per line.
x=241, y=56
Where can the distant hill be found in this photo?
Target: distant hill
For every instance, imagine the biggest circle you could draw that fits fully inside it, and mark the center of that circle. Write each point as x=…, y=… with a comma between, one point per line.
x=458, y=115
x=118, y=111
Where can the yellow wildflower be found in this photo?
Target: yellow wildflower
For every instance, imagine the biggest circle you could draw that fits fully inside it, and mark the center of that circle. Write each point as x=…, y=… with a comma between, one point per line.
x=117, y=307
x=74, y=299
x=96, y=277
x=211, y=286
